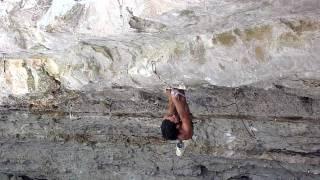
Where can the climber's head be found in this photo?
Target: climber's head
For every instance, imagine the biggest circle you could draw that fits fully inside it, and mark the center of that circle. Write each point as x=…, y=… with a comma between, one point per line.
x=169, y=130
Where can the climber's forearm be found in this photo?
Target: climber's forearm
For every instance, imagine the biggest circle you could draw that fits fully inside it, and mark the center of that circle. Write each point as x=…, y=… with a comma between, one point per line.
x=171, y=107
x=181, y=107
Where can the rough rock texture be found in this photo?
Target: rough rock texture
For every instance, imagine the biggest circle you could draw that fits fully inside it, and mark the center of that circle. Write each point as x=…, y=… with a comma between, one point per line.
x=114, y=133
x=223, y=43
x=81, y=88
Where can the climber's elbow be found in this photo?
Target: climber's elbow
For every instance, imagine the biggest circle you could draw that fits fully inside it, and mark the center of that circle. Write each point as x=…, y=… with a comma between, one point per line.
x=185, y=134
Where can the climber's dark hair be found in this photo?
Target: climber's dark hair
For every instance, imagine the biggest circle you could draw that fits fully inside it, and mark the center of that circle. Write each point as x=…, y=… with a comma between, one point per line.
x=169, y=130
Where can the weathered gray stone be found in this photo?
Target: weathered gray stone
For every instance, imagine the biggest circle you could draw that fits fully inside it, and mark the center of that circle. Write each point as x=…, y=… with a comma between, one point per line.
x=239, y=133
x=81, y=92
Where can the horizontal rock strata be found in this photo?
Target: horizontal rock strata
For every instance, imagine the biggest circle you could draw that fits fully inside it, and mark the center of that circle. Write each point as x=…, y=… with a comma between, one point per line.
x=239, y=133
x=81, y=86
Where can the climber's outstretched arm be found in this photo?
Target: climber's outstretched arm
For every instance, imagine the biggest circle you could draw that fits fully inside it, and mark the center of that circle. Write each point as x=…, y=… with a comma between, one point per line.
x=182, y=108
x=171, y=107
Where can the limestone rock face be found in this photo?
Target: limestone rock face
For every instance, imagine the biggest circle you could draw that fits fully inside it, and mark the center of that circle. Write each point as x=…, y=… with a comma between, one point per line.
x=81, y=88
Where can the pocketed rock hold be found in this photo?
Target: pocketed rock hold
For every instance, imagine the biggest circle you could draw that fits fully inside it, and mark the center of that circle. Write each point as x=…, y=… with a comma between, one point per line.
x=143, y=25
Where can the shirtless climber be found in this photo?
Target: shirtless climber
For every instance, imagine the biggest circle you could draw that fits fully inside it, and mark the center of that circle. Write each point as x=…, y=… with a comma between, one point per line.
x=177, y=123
